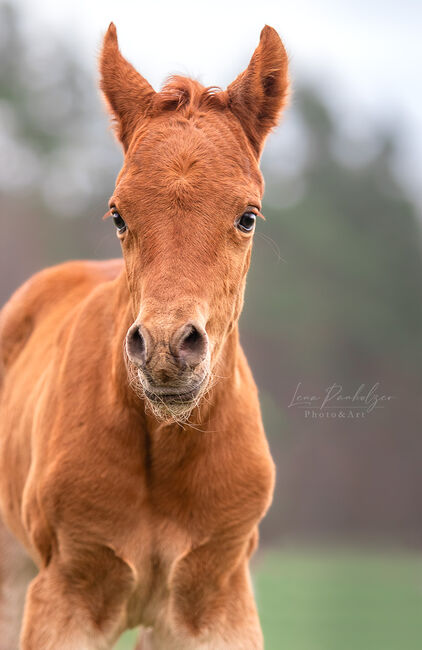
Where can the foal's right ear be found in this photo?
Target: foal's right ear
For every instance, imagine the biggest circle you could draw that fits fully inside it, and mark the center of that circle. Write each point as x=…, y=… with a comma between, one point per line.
x=127, y=93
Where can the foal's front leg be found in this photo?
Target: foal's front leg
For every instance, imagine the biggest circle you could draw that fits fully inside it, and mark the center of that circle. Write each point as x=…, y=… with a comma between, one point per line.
x=211, y=604
x=77, y=606
x=230, y=622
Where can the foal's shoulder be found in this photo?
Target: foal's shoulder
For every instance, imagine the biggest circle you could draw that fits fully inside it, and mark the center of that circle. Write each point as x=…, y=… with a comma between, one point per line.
x=55, y=288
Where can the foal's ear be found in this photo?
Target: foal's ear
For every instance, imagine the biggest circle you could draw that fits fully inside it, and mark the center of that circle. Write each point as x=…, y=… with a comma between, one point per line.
x=127, y=93
x=259, y=93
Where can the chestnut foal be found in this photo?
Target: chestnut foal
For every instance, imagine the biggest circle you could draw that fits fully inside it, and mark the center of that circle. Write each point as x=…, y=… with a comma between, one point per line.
x=135, y=507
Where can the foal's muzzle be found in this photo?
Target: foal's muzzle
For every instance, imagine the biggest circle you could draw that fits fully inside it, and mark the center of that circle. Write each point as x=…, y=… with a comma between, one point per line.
x=172, y=367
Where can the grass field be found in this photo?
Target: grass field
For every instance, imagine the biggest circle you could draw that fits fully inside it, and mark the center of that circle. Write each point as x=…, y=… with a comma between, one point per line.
x=336, y=601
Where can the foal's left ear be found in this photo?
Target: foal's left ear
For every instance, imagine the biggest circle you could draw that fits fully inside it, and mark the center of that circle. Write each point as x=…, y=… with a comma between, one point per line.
x=127, y=93
x=259, y=93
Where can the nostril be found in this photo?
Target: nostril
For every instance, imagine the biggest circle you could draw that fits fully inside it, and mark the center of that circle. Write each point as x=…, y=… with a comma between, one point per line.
x=191, y=340
x=192, y=345
x=135, y=344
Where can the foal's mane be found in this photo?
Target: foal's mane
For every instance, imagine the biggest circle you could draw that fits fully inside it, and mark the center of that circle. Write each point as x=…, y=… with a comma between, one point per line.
x=182, y=93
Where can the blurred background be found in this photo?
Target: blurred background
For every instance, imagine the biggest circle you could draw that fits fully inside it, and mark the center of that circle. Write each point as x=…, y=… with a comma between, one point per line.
x=333, y=305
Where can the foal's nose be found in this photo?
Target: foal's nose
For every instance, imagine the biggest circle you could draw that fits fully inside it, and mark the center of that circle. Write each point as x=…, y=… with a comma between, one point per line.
x=188, y=345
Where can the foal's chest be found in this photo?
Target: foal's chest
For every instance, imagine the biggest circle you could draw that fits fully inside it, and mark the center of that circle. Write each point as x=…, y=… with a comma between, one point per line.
x=154, y=548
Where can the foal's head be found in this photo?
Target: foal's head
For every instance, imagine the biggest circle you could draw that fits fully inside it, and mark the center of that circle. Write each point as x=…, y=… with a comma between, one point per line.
x=185, y=205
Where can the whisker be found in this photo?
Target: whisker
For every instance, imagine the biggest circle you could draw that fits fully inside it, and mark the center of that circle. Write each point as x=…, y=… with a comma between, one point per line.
x=273, y=245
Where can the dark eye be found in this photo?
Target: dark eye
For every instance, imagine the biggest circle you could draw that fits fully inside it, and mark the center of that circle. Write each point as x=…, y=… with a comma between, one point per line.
x=246, y=222
x=118, y=222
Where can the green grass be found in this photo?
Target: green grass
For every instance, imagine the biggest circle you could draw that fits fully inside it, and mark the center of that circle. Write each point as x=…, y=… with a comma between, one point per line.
x=336, y=601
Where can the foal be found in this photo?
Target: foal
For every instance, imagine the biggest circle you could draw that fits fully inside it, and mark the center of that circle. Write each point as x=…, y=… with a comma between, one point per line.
x=140, y=507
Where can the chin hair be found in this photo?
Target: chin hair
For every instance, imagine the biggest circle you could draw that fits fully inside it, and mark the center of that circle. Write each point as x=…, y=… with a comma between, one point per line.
x=167, y=411
x=177, y=412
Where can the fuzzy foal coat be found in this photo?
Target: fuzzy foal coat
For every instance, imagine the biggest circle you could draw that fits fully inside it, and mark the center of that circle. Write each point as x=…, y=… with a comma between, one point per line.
x=114, y=517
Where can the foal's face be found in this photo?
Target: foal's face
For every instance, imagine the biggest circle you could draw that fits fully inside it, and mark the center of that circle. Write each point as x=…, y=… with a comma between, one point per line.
x=189, y=194
x=185, y=207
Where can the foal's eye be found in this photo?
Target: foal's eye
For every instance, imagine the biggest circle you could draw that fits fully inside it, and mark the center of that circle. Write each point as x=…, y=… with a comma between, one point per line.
x=246, y=222
x=118, y=222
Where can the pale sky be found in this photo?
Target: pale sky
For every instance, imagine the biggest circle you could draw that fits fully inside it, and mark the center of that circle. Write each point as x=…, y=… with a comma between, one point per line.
x=366, y=55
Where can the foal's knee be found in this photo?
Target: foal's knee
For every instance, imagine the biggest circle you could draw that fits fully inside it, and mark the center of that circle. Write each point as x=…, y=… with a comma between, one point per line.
x=77, y=607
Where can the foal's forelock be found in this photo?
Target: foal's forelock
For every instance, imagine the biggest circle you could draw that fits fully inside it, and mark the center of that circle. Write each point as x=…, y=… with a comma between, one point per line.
x=181, y=93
